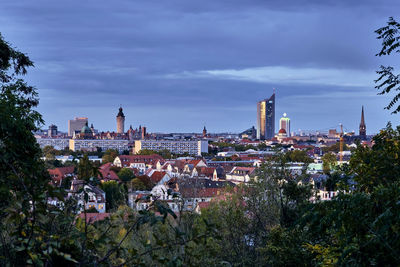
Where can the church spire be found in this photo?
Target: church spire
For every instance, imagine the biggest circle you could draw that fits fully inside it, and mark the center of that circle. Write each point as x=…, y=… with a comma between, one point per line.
x=363, y=127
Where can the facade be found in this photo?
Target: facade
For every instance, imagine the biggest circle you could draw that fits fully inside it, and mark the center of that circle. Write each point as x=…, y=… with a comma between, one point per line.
x=363, y=127
x=284, y=123
x=57, y=143
x=93, y=144
x=96, y=198
x=192, y=147
x=120, y=121
x=76, y=125
x=266, y=118
x=52, y=130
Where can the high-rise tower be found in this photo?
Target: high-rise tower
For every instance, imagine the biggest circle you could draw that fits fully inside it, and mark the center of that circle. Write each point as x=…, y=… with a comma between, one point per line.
x=266, y=118
x=363, y=127
x=120, y=121
x=284, y=123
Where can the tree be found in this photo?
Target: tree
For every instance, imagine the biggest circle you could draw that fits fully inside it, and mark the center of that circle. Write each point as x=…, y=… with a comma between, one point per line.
x=388, y=81
x=126, y=175
x=379, y=165
x=137, y=184
x=146, y=181
x=115, y=195
x=36, y=233
x=49, y=152
x=24, y=181
x=146, y=152
x=335, y=148
x=329, y=162
x=85, y=168
x=109, y=156
x=298, y=156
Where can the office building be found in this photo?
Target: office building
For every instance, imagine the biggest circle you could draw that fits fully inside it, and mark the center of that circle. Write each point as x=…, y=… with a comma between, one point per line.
x=120, y=121
x=52, y=131
x=284, y=123
x=266, y=118
x=192, y=147
x=76, y=125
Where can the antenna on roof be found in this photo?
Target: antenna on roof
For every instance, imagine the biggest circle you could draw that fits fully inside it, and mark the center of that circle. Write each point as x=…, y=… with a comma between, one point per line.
x=274, y=90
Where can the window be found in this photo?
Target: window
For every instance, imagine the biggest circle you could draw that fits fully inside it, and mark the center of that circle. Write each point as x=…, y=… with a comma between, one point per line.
x=101, y=206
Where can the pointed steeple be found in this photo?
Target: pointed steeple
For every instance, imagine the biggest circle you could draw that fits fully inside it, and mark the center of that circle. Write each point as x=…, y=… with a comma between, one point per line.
x=363, y=127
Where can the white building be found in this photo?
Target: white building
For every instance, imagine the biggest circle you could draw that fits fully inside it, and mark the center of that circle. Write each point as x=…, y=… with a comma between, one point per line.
x=193, y=147
x=93, y=144
x=57, y=143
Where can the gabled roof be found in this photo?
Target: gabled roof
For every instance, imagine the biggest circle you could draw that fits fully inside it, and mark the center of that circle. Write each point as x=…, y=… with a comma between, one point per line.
x=192, y=192
x=246, y=170
x=107, y=173
x=157, y=176
x=126, y=160
x=61, y=172
x=206, y=171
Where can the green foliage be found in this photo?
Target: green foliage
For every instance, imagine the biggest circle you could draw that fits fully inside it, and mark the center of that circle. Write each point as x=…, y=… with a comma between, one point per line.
x=389, y=81
x=379, y=165
x=126, y=175
x=109, y=156
x=329, y=162
x=115, y=195
x=146, y=181
x=165, y=153
x=92, y=210
x=298, y=156
x=85, y=168
x=137, y=184
x=335, y=148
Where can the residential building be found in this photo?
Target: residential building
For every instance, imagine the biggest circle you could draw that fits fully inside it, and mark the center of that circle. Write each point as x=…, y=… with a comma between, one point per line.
x=240, y=174
x=192, y=147
x=96, y=198
x=57, y=143
x=93, y=144
x=137, y=161
x=59, y=174
x=266, y=118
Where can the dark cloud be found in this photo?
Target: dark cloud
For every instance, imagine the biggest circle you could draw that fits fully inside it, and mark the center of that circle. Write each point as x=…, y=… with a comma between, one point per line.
x=92, y=56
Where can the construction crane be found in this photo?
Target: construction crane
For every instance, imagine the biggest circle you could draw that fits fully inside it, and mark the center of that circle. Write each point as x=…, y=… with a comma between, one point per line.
x=341, y=144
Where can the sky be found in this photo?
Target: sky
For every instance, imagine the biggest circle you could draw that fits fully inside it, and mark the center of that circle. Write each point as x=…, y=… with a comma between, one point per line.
x=179, y=65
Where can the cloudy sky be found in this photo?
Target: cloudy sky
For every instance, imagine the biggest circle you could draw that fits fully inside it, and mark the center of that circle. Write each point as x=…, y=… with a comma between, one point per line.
x=176, y=65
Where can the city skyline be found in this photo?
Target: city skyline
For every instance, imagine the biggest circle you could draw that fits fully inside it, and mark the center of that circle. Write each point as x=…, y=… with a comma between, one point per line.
x=178, y=65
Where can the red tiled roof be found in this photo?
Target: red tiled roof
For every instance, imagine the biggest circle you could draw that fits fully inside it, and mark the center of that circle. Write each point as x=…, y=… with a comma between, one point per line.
x=156, y=176
x=195, y=162
x=107, y=173
x=58, y=174
x=200, y=192
x=126, y=160
x=206, y=171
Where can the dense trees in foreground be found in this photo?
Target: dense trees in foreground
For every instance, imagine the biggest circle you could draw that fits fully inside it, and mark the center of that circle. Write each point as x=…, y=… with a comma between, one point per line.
x=269, y=222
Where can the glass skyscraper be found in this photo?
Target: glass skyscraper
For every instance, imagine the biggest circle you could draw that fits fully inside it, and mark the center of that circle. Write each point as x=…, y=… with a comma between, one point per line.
x=266, y=118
